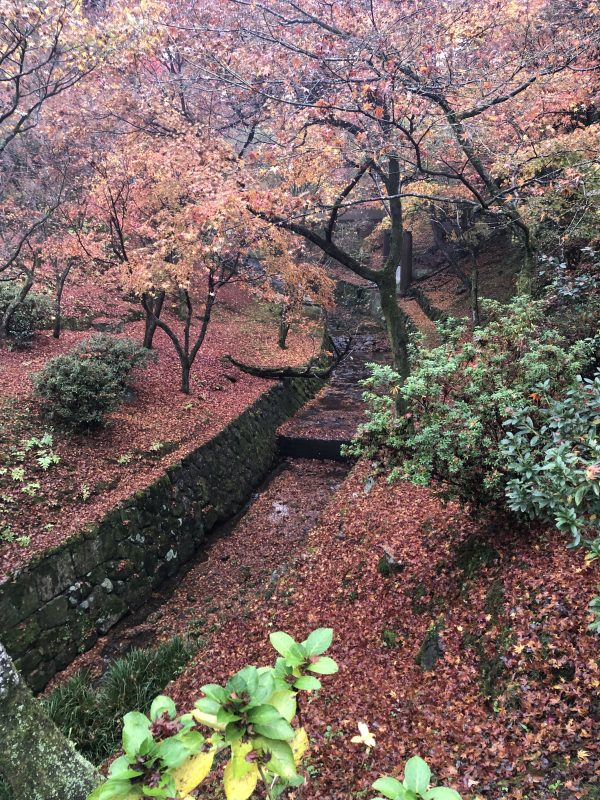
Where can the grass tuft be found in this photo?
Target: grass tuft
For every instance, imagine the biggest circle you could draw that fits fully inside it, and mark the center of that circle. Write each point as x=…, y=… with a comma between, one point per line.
x=88, y=713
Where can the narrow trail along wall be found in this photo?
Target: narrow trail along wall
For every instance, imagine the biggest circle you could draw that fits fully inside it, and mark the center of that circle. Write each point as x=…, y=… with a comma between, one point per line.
x=55, y=607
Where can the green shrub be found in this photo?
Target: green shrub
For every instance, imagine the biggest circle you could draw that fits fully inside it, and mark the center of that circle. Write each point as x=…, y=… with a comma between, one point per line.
x=552, y=452
x=29, y=316
x=79, y=388
x=86, y=713
x=457, y=399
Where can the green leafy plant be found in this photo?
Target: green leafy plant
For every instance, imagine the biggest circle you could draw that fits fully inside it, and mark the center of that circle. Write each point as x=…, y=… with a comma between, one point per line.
x=594, y=607
x=252, y=719
x=6, y=534
x=31, y=488
x=457, y=398
x=79, y=388
x=30, y=315
x=417, y=778
x=85, y=709
x=552, y=450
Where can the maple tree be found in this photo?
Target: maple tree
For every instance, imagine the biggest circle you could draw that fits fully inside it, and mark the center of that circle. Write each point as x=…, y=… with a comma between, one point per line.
x=382, y=102
x=176, y=225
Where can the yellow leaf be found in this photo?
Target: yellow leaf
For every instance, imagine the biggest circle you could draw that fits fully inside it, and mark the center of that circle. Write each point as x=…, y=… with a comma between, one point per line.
x=299, y=745
x=240, y=776
x=192, y=772
x=207, y=719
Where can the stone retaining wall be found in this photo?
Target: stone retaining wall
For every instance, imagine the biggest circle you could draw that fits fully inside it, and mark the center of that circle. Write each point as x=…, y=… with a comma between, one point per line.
x=55, y=607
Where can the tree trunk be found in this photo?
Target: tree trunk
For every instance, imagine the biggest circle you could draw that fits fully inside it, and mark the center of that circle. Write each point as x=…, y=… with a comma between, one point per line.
x=13, y=305
x=284, y=327
x=36, y=760
x=156, y=305
x=406, y=263
x=57, y=303
x=395, y=322
x=185, y=375
x=475, y=293
x=525, y=276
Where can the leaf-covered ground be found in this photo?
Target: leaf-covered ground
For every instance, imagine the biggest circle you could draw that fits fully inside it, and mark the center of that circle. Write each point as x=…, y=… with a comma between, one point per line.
x=511, y=706
x=41, y=506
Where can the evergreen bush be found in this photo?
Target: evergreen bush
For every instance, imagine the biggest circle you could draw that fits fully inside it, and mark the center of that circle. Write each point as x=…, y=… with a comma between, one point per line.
x=79, y=388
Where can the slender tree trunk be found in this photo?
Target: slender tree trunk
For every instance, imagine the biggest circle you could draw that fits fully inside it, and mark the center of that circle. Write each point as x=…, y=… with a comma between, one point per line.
x=284, y=327
x=36, y=760
x=395, y=318
x=57, y=302
x=406, y=263
x=525, y=276
x=395, y=323
x=155, y=304
x=475, y=292
x=19, y=298
x=185, y=374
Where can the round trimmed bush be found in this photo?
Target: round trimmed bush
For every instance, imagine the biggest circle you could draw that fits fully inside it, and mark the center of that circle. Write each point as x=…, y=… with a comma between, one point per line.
x=79, y=388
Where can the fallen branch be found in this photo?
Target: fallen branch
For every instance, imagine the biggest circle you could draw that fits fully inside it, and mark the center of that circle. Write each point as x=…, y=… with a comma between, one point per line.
x=309, y=370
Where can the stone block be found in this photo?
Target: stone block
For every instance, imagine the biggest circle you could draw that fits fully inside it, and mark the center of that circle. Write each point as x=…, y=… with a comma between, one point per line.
x=54, y=575
x=19, y=640
x=54, y=613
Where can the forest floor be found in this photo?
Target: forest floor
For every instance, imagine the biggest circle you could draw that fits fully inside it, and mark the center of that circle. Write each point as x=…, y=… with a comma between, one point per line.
x=157, y=426
x=473, y=652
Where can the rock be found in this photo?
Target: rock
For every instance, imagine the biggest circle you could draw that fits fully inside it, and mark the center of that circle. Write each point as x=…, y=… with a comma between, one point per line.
x=108, y=325
x=431, y=649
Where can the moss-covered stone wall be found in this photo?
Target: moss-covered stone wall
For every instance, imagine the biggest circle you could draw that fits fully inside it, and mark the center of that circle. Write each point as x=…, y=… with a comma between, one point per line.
x=58, y=605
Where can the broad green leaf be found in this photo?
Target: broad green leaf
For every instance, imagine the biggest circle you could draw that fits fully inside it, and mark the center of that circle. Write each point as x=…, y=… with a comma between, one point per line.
x=282, y=758
x=282, y=642
x=162, y=705
x=115, y=790
x=267, y=721
x=224, y=716
x=233, y=733
x=193, y=771
x=243, y=682
x=318, y=641
x=215, y=692
x=135, y=732
x=265, y=688
x=277, y=729
x=172, y=752
x=324, y=666
x=300, y=745
x=208, y=706
x=442, y=793
x=263, y=714
x=121, y=769
x=417, y=775
x=285, y=702
x=390, y=788
x=296, y=655
x=307, y=683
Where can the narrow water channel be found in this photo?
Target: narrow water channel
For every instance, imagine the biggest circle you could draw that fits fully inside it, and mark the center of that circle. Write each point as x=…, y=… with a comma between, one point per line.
x=254, y=550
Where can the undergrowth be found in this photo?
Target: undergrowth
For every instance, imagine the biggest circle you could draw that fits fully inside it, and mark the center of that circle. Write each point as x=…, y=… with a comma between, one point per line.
x=86, y=710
